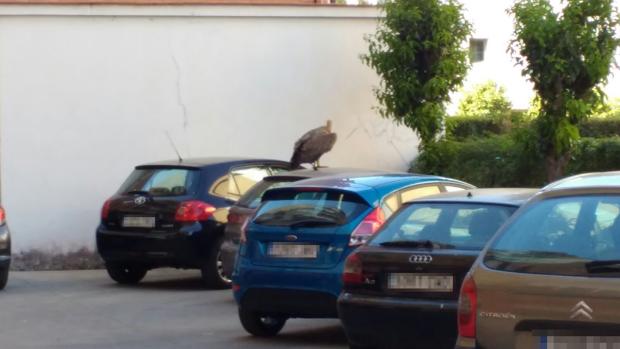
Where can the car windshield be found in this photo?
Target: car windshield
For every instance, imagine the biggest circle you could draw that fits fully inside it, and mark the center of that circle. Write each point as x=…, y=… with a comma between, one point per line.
x=252, y=198
x=574, y=236
x=310, y=208
x=443, y=225
x=161, y=182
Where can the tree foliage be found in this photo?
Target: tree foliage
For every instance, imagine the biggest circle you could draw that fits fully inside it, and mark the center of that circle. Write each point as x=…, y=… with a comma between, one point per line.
x=419, y=55
x=568, y=57
x=485, y=100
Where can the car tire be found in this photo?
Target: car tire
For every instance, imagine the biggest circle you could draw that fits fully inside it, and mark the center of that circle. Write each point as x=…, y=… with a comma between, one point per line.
x=126, y=274
x=260, y=326
x=4, y=277
x=213, y=274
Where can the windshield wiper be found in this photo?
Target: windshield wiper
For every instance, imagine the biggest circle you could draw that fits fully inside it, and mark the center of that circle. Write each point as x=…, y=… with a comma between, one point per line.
x=417, y=244
x=610, y=266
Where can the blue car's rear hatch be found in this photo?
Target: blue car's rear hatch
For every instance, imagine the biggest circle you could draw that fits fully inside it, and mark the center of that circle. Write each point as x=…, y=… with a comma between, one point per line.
x=304, y=227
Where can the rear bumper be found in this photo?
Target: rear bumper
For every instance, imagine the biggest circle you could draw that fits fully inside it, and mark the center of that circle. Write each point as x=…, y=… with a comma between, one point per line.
x=375, y=320
x=182, y=249
x=289, y=292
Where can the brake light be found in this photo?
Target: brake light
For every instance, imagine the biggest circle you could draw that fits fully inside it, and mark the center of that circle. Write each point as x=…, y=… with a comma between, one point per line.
x=353, y=271
x=468, y=305
x=194, y=211
x=105, y=210
x=368, y=227
x=2, y=216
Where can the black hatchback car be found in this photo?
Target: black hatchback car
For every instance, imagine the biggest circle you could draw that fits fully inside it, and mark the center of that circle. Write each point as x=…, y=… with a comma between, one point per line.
x=402, y=288
x=173, y=214
x=5, y=250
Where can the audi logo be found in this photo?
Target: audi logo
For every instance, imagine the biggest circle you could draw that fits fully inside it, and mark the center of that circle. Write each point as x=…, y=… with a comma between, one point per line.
x=140, y=200
x=290, y=238
x=421, y=259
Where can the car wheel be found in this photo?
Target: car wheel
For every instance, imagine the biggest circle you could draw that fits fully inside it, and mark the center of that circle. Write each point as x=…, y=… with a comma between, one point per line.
x=213, y=273
x=259, y=325
x=126, y=274
x=4, y=277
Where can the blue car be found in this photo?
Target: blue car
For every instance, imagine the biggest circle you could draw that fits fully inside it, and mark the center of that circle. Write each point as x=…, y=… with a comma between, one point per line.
x=292, y=253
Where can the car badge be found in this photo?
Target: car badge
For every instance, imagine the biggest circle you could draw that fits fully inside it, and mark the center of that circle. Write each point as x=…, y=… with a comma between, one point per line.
x=291, y=238
x=583, y=310
x=140, y=200
x=420, y=259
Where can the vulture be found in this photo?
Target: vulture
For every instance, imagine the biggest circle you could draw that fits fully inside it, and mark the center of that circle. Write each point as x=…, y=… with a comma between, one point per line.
x=312, y=145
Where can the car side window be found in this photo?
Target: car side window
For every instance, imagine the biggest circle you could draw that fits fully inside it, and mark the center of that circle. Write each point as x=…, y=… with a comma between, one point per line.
x=418, y=192
x=452, y=188
x=220, y=187
x=390, y=205
x=277, y=169
x=240, y=180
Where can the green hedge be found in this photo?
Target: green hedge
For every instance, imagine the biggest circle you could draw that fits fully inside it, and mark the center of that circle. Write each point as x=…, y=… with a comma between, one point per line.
x=502, y=161
x=465, y=127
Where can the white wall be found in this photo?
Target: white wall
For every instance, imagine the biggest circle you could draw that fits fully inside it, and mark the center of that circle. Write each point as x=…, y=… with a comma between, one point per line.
x=86, y=93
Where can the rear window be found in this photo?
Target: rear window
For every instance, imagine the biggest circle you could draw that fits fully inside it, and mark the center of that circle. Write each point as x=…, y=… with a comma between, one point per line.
x=161, y=182
x=309, y=208
x=444, y=225
x=574, y=236
x=253, y=197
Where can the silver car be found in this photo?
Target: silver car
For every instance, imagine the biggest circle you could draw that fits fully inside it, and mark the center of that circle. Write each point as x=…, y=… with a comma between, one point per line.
x=550, y=278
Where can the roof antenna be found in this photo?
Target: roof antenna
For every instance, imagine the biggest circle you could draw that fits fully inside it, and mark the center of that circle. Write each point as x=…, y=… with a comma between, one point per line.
x=174, y=146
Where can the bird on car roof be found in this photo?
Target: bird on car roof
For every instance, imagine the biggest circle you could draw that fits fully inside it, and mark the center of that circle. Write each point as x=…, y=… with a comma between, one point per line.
x=312, y=145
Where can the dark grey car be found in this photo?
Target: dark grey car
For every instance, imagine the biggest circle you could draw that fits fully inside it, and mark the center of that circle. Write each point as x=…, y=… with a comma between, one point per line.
x=551, y=276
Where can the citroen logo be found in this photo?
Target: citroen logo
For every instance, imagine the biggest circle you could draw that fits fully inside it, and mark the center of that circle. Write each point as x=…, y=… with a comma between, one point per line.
x=583, y=310
x=140, y=200
x=420, y=259
x=291, y=237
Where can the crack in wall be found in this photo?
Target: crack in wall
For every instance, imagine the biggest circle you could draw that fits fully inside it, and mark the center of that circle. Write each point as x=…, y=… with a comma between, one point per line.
x=180, y=103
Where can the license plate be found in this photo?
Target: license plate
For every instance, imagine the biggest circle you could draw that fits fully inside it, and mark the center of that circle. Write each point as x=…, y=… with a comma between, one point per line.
x=421, y=282
x=139, y=222
x=578, y=342
x=284, y=250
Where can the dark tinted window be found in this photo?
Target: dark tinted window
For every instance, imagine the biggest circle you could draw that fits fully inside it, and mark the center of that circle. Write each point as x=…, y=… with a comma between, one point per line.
x=161, y=182
x=309, y=208
x=452, y=225
x=577, y=236
x=253, y=197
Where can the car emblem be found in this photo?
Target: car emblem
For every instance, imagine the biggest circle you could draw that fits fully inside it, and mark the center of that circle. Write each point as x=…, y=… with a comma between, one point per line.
x=581, y=309
x=421, y=259
x=291, y=237
x=140, y=200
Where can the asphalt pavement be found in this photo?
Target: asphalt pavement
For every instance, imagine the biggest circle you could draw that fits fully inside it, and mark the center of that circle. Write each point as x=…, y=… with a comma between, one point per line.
x=169, y=310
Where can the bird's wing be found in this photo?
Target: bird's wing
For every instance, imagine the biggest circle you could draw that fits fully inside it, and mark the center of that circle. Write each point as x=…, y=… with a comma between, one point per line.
x=307, y=136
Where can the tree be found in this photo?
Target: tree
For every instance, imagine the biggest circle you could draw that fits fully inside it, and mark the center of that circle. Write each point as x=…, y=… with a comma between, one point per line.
x=419, y=55
x=487, y=99
x=568, y=57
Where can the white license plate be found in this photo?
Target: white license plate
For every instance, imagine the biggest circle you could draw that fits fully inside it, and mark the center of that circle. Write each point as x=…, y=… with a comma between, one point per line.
x=285, y=250
x=578, y=342
x=139, y=222
x=421, y=282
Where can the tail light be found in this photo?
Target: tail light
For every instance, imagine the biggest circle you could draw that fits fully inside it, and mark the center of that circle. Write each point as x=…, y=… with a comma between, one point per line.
x=2, y=216
x=105, y=210
x=368, y=227
x=194, y=211
x=468, y=304
x=353, y=271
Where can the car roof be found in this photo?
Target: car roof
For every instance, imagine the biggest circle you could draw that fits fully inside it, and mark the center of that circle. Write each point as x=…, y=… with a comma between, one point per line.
x=321, y=172
x=194, y=163
x=498, y=196
x=370, y=185
x=586, y=181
